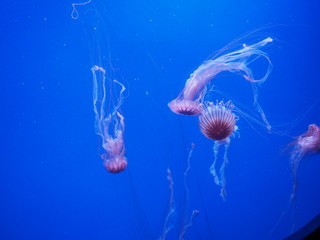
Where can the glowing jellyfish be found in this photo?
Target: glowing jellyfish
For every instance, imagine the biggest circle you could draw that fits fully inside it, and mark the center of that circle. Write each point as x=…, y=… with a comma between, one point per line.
x=307, y=143
x=110, y=126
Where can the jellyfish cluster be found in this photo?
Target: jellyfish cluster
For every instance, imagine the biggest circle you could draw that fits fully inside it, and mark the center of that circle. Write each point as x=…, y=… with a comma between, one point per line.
x=217, y=119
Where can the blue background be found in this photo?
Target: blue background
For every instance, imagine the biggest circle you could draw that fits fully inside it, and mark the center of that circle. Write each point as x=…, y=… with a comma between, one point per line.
x=53, y=184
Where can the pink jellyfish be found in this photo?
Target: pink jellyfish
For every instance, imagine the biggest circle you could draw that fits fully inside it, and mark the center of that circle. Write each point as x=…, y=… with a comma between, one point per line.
x=306, y=143
x=109, y=126
x=190, y=100
x=218, y=122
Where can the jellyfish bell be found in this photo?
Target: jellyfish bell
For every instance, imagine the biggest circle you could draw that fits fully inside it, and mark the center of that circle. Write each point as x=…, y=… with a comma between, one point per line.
x=306, y=143
x=114, y=164
x=217, y=121
x=310, y=141
x=186, y=107
x=114, y=159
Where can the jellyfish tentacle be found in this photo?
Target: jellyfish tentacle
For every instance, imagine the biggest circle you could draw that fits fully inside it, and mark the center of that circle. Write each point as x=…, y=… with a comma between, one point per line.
x=258, y=107
x=213, y=166
x=223, y=182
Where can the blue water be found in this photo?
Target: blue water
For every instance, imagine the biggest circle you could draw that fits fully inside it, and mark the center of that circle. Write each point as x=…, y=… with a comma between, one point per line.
x=53, y=183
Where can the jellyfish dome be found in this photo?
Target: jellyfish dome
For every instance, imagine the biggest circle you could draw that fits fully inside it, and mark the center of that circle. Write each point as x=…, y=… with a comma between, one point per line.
x=309, y=141
x=186, y=107
x=116, y=164
x=217, y=121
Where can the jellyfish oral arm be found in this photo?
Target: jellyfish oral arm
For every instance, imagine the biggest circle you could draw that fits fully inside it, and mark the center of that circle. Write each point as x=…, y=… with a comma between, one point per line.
x=168, y=224
x=222, y=180
x=99, y=100
x=74, y=13
x=234, y=61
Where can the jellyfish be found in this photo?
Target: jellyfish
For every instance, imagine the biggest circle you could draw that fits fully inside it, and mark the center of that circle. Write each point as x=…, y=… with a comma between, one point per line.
x=110, y=126
x=218, y=122
x=306, y=144
x=190, y=100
